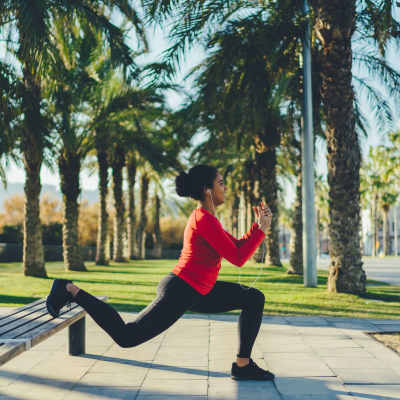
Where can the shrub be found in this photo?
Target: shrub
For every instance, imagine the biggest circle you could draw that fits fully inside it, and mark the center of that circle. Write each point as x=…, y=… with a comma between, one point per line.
x=172, y=229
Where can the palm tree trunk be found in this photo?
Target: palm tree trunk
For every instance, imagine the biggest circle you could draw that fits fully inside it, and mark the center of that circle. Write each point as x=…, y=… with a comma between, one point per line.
x=102, y=253
x=119, y=222
x=318, y=234
x=157, y=231
x=336, y=24
x=131, y=168
x=266, y=165
x=386, y=232
x=141, y=232
x=235, y=215
x=32, y=147
x=296, y=238
x=69, y=165
x=375, y=223
x=396, y=229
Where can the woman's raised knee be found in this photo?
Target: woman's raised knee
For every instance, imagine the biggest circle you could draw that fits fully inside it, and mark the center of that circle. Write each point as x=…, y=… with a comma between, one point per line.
x=256, y=297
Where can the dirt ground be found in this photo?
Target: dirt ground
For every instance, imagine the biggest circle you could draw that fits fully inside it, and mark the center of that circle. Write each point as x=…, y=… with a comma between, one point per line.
x=391, y=340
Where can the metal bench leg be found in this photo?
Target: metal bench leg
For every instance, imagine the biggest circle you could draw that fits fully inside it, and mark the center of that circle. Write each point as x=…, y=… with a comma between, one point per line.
x=77, y=337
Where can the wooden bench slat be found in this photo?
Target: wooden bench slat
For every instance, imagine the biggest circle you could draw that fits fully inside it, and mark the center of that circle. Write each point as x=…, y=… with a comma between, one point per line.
x=39, y=320
x=9, y=351
x=20, y=324
x=22, y=318
x=21, y=309
x=41, y=333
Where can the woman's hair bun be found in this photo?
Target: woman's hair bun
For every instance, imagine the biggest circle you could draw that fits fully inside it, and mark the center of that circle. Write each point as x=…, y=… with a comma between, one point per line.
x=182, y=183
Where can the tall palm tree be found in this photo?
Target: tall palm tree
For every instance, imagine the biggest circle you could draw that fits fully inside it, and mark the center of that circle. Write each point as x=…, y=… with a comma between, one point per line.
x=131, y=167
x=10, y=117
x=69, y=92
x=379, y=178
x=111, y=105
x=117, y=165
x=141, y=231
x=32, y=23
x=336, y=28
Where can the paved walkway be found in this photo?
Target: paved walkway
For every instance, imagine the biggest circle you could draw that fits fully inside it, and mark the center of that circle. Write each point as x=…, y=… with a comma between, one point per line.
x=313, y=358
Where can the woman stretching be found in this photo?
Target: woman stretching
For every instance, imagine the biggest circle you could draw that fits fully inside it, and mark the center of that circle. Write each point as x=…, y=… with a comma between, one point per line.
x=192, y=285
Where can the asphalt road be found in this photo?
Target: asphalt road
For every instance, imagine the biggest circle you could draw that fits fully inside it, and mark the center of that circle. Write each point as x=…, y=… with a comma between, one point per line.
x=380, y=269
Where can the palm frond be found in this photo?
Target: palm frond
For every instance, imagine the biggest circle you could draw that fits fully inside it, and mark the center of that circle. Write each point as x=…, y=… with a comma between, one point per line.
x=384, y=73
x=379, y=107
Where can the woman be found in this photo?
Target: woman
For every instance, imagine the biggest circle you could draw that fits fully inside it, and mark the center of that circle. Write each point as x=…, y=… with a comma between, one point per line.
x=192, y=285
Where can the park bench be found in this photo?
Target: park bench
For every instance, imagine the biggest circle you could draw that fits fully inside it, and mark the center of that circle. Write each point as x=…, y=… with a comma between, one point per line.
x=25, y=327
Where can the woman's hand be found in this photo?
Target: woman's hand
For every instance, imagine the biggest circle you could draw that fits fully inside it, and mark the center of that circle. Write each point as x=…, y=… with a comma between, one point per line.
x=264, y=216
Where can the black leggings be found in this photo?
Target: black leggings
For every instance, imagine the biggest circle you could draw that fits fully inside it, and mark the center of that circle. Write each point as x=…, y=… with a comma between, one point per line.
x=174, y=298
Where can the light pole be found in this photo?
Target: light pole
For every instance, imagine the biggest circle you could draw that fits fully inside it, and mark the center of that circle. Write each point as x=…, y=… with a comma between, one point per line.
x=307, y=143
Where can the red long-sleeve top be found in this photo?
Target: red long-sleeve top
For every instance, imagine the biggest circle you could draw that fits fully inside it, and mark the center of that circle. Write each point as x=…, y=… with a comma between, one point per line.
x=205, y=243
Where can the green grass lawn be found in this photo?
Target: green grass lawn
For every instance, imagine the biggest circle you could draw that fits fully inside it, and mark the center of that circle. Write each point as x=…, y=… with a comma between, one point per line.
x=131, y=286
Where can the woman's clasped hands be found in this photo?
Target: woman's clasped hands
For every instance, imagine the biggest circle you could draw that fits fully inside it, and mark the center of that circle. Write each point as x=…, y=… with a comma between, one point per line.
x=263, y=215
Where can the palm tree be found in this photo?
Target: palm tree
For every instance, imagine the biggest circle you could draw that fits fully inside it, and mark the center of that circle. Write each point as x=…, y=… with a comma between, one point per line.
x=32, y=23
x=111, y=103
x=322, y=204
x=10, y=117
x=336, y=25
x=131, y=167
x=141, y=231
x=378, y=177
x=71, y=89
x=117, y=165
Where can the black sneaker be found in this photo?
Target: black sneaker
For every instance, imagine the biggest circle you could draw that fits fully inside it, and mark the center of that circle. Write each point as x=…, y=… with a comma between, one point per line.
x=58, y=297
x=250, y=372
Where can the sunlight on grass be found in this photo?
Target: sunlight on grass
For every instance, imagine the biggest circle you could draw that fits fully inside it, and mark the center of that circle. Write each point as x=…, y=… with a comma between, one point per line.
x=131, y=286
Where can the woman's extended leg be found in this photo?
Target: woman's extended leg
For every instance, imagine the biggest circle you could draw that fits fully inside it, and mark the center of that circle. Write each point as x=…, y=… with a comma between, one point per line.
x=174, y=297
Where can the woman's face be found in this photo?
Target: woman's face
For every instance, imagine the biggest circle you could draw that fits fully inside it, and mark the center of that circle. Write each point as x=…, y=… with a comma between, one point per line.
x=218, y=190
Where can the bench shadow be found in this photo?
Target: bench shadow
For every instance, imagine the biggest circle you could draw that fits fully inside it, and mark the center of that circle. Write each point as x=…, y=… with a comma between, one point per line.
x=161, y=367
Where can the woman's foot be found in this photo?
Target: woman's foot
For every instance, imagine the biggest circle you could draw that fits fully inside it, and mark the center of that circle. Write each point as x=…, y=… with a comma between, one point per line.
x=251, y=372
x=58, y=297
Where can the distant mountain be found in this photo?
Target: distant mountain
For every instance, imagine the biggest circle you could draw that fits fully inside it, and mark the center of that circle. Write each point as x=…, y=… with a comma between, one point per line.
x=18, y=188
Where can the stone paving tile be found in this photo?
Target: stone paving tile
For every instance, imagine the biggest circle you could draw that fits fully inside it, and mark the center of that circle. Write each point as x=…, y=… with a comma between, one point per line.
x=352, y=352
x=309, y=386
x=371, y=376
x=361, y=363
x=118, y=378
x=330, y=396
x=220, y=388
x=180, y=387
x=374, y=392
x=175, y=373
x=144, y=396
x=288, y=348
x=33, y=393
x=297, y=365
x=83, y=392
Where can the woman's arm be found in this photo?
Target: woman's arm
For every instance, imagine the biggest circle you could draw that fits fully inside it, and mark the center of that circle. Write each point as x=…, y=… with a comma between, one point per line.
x=211, y=230
x=239, y=242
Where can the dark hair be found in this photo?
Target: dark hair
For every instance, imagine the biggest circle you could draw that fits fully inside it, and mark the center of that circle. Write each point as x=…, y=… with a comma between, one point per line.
x=192, y=184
